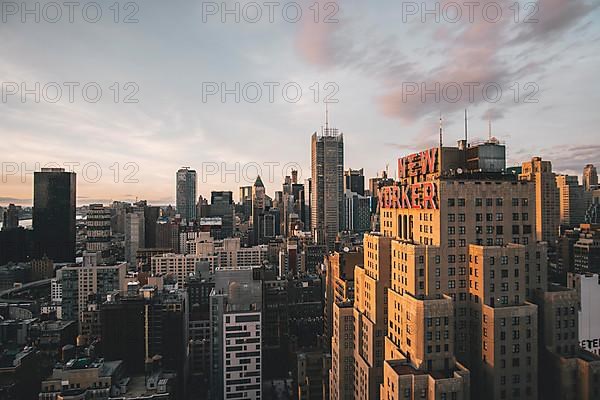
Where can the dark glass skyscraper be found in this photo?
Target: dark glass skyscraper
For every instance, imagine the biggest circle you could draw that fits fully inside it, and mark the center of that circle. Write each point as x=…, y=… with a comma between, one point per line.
x=186, y=193
x=54, y=214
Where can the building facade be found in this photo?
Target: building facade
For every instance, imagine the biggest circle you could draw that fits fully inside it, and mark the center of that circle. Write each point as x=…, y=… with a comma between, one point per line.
x=327, y=185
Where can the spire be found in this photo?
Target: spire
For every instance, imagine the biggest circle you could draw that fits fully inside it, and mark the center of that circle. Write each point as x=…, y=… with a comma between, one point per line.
x=441, y=131
x=466, y=129
x=258, y=182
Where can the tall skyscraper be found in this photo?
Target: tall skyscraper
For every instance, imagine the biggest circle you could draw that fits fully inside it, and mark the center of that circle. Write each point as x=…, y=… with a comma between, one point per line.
x=572, y=201
x=258, y=210
x=186, y=193
x=590, y=177
x=327, y=196
x=354, y=180
x=547, y=202
x=54, y=214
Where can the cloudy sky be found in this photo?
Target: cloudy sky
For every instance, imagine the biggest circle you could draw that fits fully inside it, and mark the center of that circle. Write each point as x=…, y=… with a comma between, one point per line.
x=233, y=88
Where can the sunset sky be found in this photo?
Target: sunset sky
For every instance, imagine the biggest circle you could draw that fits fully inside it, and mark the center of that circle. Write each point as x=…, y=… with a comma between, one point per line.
x=175, y=50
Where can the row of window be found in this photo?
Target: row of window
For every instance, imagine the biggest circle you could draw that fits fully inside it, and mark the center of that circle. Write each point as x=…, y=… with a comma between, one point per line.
x=489, y=202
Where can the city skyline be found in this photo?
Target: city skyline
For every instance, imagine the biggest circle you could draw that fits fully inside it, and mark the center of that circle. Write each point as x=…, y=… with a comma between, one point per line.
x=364, y=59
x=299, y=200
x=271, y=187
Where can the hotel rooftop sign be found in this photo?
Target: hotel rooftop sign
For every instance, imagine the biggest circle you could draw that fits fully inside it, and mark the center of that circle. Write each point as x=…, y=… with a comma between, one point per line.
x=419, y=195
x=422, y=163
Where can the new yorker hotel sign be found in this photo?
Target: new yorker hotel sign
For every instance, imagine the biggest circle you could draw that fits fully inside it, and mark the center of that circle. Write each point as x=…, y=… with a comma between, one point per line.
x=420, y=195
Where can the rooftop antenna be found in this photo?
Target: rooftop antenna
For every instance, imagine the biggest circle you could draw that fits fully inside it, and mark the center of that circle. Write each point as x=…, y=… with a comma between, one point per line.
x=327, y=116
x=441, y=132
x=466, y=129
x=489, y=128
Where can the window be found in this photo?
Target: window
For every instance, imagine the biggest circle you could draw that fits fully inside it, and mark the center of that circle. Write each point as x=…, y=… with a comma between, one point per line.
x=450, y=202
x=489, y=202
x=499, y=201
x=478, y=202
x=515, y=202
x=451, y=218
x=461, y=202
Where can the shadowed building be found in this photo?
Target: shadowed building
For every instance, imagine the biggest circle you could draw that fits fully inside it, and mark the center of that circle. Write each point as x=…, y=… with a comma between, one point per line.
x=54, y=214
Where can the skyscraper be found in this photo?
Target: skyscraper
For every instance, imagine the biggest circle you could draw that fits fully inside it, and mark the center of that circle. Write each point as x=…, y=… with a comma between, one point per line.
x=54, y=214
x=236, y=315
x=547, y=203
x=571, y=200
x=590, y=177
x=135, y=235
x=186, y=193
x=98, y=233
x=221, y=205
x=258, y=210
x=354, y=180
x=327, y=196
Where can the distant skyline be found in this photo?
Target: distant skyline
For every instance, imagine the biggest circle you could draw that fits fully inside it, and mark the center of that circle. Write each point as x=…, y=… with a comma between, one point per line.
x=368, y=56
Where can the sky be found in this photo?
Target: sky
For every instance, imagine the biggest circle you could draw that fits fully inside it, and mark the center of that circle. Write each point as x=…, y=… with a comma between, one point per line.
x=125, y=93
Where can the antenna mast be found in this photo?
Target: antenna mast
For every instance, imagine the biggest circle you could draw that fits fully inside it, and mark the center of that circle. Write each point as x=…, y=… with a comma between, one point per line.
x=466, y=129
x=441, y=131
